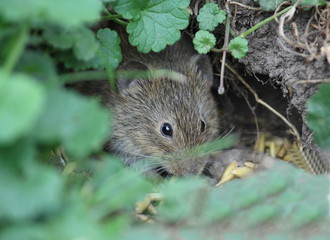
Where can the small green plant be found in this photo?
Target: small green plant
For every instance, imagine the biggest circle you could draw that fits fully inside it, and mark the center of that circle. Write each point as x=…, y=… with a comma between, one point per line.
x=238, y=47
x=204, y=41
x=210, y=16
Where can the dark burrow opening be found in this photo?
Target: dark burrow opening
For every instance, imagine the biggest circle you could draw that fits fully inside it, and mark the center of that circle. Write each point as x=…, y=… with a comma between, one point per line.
x=247, y=117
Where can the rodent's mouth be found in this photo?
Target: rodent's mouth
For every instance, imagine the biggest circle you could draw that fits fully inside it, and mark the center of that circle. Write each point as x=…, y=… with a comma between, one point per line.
x=161, y=171
x=164, y=173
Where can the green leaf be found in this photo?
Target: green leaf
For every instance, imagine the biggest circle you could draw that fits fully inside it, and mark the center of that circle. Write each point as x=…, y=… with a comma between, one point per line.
x=117, y=187
x=18, y=155
x=75, y=222
x=214, y=209
x=210, y=16
x=21, y=102
x=71, y=62
x=29, y=195
x=278, y=236
x=235, y=236
x=116, y=226
x=154, y=24
x=245, y=197
x=204, y=41
x=37, y=64
x=318, y=116
x=102, y=51
x=269, y=5
x=238, y=47
x=85, y=46
x=82, y=40
x=277, y=183
x=311, y=2
x=305, y=213
x=182, y=198
x=77, y=122
x=261, y=214
x=109, y=51
x=147, y=233
x=27, y=231
x=130, y=8
x=73, y=12
x=59, y=38
x=67, y=13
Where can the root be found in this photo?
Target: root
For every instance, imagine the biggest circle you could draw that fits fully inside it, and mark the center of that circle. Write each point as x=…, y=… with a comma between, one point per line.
x=315, y=41
x=260, y=101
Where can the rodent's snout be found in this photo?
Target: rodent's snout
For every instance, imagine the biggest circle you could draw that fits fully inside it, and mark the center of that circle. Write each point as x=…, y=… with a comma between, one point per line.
x=184, y=167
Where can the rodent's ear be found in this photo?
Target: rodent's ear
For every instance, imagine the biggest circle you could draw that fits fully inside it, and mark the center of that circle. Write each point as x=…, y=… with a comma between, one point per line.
x=127, y=78
x=203, y=64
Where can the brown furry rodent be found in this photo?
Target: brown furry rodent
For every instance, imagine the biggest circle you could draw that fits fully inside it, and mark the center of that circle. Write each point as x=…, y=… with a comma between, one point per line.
x=162, y=118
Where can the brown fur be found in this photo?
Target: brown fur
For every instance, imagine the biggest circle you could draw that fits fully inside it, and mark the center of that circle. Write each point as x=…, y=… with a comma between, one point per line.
x=140, y=107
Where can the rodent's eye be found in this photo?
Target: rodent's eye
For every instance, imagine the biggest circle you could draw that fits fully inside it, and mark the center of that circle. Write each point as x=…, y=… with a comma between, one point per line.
x=166, y=130
x=202, y=126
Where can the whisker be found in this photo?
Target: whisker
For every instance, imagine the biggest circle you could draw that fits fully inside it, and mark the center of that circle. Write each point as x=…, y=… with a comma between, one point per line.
x=145, y=165
x=134, y=154
x=226, y=132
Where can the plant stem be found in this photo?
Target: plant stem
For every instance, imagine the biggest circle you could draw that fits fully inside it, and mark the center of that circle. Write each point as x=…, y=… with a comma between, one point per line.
x=267, y=20
x=85, y=75
x=217, y=50
x=111, y=77
x=221, y=88
x=111, y=17
x=129, y=74
x=117, y=20
x=17, y=49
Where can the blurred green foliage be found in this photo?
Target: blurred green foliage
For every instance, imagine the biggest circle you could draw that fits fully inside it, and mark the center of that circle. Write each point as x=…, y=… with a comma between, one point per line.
x=44, y=40
x=318, y=116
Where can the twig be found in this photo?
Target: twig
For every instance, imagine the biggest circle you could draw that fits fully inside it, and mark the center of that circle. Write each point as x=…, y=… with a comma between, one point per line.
x=258, y=100
x=221, y=88
x=196, y=7
x=312, y=81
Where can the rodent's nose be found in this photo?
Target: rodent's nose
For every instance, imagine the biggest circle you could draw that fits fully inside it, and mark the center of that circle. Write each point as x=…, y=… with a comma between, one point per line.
x=186, y=167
